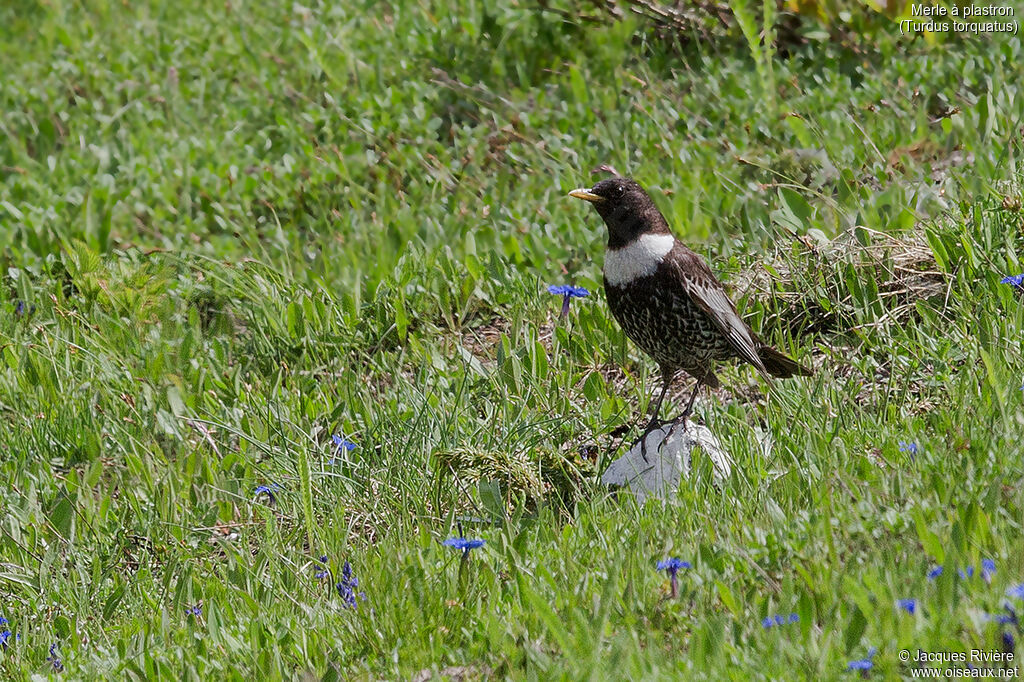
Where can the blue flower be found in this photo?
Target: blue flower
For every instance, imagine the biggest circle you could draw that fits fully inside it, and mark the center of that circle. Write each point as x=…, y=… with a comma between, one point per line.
x=567, y=292
x=463, y=544
x=1015, y=280
x=908, y=605
x=54, y=659
x=5, y=634
x=863, y=663
x=1016, y=591
x=325, y=571
x=779, y=619
x=935, y=573
x=1008, y=643
x=347, y=588
x=19, y=308
x=988, y=567
x=673, y=565
x=268, y=490
x=909, y=446
x=1002, y=618
x=344, y=445
x=196, y=611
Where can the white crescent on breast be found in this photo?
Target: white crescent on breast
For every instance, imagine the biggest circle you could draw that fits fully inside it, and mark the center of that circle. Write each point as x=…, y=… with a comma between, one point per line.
x=638, y=259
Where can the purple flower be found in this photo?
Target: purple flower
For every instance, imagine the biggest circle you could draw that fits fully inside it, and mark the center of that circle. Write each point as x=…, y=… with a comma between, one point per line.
x=5, y=634
x=935, y=573
x=988, y=568
x=269, y=491
x=1015, y=280
x=567, y=292
x=195, y=611
x=863, y=663
x=908, y=605
x=1016, y=591
x=324, y=570
x=672, y=566
x=343, y=446
x=1002, y=618
x=909, y=446
x=968, y=574
x=347, y=588
x=54, y=659
x=463, y=544
x=779, y=619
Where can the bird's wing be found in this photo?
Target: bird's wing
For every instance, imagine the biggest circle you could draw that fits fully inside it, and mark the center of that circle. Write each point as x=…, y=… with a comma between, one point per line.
x=707, y=292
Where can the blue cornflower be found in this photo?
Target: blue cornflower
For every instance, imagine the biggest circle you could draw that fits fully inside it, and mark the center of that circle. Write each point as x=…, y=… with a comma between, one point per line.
x=54, y=659
x=1015, y=280
x=1008, y=644
x=347, y=588
x=909, y=446
x=463, y=544
x=969, y=573
x=268, y=490
x=196, y=611
x=863, y=663
x=325, y=571
x=567, y=292
x=779, y=619
x=1016, y=591
x=908, y=605
x=19, y=308
x=935, y=573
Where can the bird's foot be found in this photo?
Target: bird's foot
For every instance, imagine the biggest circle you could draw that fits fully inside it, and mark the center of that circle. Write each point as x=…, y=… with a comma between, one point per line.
x=652, y=426
x=680, y=420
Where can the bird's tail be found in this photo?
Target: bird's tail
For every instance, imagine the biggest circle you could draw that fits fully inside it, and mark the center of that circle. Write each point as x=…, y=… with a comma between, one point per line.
x=779, y=365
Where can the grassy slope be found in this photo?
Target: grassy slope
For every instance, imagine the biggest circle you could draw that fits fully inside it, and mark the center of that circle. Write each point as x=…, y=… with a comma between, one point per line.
x=286, y=223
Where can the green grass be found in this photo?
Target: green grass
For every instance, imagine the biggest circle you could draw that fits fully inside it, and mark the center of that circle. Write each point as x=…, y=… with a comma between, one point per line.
x=242, y=228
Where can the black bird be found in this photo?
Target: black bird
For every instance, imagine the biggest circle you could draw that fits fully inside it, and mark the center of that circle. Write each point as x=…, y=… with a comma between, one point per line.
x=667, y=300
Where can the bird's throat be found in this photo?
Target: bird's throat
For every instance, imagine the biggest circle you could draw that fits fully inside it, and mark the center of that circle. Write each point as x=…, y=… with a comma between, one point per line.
x=639, y=258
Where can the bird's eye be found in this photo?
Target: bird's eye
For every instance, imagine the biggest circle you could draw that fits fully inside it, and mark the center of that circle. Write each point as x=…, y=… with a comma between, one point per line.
x=622, y=189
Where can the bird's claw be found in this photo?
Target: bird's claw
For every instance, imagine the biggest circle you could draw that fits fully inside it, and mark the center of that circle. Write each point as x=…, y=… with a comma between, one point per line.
x=652, y=426
x=656, y=424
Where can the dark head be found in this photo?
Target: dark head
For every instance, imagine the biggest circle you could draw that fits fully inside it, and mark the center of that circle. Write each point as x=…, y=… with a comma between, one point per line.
x=626, y=208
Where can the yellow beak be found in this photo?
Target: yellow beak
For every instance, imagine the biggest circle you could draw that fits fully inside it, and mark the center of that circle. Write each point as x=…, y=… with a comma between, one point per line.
x=586, y=195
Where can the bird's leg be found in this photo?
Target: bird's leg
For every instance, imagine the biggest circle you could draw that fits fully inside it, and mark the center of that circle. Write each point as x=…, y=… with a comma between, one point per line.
x=689, y=407
x=655, y=423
